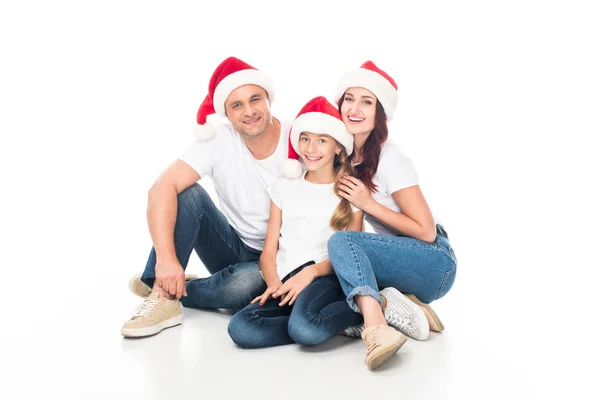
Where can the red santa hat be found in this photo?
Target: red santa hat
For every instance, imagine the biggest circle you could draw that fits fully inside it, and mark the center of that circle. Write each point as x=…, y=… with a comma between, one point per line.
x=229, y=75
x=377, y=81
x=317, y=116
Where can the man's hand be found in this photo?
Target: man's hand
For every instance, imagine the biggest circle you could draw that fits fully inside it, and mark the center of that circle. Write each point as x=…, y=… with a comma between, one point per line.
x=294, y=286
x=170, y=277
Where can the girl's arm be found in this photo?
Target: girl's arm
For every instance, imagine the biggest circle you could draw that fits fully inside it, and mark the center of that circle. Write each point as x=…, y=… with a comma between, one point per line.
x=268, y=258
x=268, y=265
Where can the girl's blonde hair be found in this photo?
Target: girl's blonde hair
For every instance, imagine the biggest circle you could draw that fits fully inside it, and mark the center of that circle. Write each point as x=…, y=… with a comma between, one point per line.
x=342, y=216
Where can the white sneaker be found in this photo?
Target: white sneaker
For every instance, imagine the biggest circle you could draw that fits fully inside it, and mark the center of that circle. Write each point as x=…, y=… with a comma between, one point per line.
x=354, y=331
x=404, y=315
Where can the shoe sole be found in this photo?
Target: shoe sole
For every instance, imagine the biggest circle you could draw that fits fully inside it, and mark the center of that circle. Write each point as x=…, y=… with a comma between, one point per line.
x=385, y=353
x=134, y=282
x=435, y=324
x=152, y=330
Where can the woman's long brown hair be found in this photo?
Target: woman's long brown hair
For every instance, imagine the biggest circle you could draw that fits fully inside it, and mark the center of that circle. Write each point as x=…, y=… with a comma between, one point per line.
x=371, y=150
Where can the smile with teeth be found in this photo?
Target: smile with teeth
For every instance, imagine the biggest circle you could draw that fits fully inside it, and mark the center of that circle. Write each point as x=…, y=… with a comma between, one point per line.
x=312, y=159
x=251, y=121
x=354, y=119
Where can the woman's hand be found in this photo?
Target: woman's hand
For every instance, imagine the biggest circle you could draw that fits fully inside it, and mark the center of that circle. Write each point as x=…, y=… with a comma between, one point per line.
x=293, y=286
x=356, y=192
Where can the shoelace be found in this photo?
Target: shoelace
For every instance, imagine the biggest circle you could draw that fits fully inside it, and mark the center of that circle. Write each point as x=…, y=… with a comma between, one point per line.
x=373, y=339
x=147, y=307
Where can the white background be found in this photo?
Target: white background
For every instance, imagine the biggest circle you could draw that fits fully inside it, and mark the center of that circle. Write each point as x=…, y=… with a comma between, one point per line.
x=499, y=107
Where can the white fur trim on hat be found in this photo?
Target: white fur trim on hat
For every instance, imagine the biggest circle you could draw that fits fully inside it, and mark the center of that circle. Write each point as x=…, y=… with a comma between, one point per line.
x=291, y=168
x=375, y=83
x=321, y=123
x=204, y=132
x=237, y=79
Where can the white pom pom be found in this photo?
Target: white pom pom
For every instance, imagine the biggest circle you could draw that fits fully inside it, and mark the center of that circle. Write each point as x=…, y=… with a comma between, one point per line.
x=204, y=132
x=291, y=168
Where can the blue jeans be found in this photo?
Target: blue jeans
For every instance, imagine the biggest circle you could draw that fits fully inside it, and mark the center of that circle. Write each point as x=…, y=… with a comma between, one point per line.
x=318, y=314
x=366, y=262
x=235, y=276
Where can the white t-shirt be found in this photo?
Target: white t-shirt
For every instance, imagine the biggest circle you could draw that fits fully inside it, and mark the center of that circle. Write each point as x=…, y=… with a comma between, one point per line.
x=241, y=182
x=306, y=210
x=394, y=172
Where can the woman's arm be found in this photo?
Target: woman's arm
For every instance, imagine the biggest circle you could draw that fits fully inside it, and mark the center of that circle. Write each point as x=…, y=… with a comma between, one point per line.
x=415, y=220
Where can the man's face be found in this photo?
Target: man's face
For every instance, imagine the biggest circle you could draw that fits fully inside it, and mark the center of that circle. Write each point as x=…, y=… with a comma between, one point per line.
x=249, y=110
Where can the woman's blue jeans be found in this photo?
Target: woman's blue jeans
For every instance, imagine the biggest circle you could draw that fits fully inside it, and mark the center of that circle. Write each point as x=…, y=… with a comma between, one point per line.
x=318, y=314
x=367, y=262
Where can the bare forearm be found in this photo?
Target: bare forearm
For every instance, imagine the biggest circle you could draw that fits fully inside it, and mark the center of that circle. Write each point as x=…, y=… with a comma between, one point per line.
x=321, y=268
x=268, y=268
x=162, y=215
x=402, y=223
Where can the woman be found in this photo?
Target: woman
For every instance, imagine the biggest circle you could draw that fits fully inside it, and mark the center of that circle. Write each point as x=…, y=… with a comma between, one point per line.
x=409, y=251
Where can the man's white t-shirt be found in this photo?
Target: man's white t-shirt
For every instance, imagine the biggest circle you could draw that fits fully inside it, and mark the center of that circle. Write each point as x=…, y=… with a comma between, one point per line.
x=241, y=182
x=306, y=210
x=395, y=171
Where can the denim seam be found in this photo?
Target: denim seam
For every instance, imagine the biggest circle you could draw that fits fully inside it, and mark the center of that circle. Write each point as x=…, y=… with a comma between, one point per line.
x=356, y=259
x=310, y=306
x=452, y=266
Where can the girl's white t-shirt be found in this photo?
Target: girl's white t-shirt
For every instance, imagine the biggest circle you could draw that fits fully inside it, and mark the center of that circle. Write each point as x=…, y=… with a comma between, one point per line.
x=306, y=210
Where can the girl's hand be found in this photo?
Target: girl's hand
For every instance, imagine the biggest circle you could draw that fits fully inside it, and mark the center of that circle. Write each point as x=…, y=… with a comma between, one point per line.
x=356, y=192
x=266, y=295
x=294, y=286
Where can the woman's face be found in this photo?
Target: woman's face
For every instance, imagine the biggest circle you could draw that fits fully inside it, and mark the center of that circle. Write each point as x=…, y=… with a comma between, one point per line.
x=358, y=110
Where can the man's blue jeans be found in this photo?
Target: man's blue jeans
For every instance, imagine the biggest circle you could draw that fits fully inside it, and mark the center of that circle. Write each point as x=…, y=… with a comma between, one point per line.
x=367, y=262
x=235, y=276
x=318, y=314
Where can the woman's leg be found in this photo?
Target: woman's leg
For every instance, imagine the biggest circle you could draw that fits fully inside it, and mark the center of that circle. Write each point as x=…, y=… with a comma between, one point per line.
x=321, y=312
x=258, y=326
x=406, y=264
x=365, y=261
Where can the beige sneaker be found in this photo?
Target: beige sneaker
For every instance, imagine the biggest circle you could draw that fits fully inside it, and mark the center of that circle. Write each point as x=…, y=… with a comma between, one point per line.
x=156, y=314
x=434, y=321
x=139, y=288
x=382, y=342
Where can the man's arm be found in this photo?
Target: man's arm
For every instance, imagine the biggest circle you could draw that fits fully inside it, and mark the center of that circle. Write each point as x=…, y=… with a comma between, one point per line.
x=162, y=214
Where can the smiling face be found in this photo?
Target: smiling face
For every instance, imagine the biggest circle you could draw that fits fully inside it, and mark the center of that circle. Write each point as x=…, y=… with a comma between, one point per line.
x=358, y=110
x=317, y=150
x=249, y=110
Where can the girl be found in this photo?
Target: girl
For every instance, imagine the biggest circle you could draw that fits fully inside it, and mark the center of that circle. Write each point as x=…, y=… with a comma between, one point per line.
x=303, y=302
x=409, y=252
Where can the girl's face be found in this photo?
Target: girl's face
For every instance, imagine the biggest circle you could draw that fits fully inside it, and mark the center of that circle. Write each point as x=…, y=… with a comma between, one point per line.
x=358, y=110
x=317, y=150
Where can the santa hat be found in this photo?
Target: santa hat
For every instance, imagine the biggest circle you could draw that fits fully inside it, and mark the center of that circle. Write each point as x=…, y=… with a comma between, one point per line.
x=229, y=75
x=317, y=116
x=377, y=81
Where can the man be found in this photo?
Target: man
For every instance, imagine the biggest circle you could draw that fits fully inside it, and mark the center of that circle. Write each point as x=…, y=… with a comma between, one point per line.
x=242, y=158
